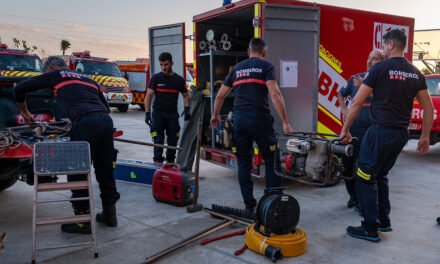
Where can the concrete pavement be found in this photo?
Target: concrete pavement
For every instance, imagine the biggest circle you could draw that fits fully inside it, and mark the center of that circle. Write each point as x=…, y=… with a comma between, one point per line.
x=146, y=227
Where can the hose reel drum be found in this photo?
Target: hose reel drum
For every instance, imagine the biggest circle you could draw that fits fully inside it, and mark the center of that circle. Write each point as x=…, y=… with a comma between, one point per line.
x=277, y=213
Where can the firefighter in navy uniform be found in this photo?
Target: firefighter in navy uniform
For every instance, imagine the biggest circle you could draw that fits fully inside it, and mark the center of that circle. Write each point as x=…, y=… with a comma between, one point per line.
x=87, y=108
x=360, y=125
x=165, y=88
x=251, y=81
x=395, y=83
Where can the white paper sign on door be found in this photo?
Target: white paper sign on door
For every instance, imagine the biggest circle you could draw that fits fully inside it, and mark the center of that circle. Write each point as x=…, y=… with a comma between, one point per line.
x=289, y=74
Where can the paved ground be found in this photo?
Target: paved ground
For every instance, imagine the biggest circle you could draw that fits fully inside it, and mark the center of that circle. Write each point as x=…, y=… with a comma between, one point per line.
x=146, y=227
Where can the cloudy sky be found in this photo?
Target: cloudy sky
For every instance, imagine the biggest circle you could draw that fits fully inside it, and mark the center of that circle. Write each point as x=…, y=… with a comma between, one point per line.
x=118, y=29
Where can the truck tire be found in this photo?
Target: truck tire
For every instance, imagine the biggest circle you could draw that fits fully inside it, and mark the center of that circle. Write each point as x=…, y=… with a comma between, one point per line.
x=9, y=172
x=122, y=108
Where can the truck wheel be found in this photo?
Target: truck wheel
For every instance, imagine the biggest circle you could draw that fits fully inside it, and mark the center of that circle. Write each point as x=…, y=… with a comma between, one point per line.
x=9, y=172
x=122, y=108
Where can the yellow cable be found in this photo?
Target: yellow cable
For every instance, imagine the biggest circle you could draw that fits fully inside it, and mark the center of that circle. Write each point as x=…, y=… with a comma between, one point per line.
x=291, y=245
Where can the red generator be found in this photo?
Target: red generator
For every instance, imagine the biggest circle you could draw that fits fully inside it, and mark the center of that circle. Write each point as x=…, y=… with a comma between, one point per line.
x=171, y=185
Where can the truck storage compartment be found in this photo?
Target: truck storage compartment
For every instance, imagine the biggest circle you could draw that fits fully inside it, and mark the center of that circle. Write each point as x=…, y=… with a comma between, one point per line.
x=221, y=42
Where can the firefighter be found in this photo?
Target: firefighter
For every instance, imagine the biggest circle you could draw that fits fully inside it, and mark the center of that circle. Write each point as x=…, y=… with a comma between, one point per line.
x=87, y=108
x=165, y=88
x=395, y=83
x=360, y=125
x=251, y=81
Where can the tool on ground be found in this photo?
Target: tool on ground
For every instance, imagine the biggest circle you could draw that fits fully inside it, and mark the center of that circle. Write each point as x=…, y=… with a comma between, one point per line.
x=195, y=206
x=212, y=239
x=172, y=185
x=239, y=220
x=234, y=212
x=62, y=158
x=189, y=240
x=146, y=143
x=241, y=250
x=311, y=158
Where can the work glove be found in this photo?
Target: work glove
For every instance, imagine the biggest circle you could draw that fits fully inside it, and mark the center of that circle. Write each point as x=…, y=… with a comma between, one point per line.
x=148, y=118
x=186, y=114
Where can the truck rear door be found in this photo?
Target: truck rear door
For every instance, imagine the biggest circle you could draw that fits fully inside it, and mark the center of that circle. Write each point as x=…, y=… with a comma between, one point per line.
x=292, y=35
x=168, y=38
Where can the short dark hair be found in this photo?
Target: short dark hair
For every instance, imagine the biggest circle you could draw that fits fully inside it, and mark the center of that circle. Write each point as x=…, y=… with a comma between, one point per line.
x=54, y=61
x=165, y=56
x=397, y=36
x=257, y=45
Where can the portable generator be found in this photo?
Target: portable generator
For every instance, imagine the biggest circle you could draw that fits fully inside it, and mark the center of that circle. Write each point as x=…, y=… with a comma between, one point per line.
x=171, y=185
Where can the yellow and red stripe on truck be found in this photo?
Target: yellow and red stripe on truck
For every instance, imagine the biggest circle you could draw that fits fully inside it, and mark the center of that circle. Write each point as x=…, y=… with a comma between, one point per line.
x=8, y=73
x=110, y=81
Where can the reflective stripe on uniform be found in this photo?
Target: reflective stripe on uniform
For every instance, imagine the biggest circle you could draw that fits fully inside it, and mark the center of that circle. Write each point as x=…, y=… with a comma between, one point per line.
x=154, y=134
x=249, y=81
x=363, y=175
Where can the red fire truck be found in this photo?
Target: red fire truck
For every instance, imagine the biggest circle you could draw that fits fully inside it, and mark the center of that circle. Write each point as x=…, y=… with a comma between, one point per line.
x=114, y=86
x=16, y=140
x=315, y=48
x=415, y=127
x=138, y=76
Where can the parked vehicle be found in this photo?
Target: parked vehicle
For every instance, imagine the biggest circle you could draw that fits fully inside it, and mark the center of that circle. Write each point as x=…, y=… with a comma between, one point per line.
x=114, y=86
x=314, y=48
x=415, y=127
x=17, y=139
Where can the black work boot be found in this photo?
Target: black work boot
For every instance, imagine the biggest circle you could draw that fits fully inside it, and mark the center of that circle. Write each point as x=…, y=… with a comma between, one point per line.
x=78, y=228
x=108, y=215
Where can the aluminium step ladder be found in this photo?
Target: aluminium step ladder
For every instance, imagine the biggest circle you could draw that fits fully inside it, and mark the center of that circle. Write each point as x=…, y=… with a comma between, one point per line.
x=56, y=159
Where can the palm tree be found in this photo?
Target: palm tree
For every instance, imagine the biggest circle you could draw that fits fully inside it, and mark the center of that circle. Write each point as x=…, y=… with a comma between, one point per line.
x=65, y=45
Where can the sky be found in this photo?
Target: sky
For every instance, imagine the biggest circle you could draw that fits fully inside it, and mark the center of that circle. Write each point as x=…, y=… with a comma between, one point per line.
x=118, y=29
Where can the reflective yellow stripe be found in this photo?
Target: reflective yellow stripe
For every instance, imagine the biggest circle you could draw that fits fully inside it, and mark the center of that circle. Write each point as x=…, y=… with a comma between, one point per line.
x=363, y=175
x=330, y=115
x=257, y=15
x=154, y=134
x=234, y=150
x=256, y=151
x=195, y=52
x=273, y=147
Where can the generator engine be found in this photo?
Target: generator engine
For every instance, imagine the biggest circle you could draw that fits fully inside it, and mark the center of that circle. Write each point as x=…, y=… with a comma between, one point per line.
x=310, y=158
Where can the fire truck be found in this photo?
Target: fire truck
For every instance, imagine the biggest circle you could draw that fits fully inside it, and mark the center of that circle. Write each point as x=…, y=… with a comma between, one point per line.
x=105, y=72
x=416, y=125
x=16, y=139
x=138, y=76
x=315, y=48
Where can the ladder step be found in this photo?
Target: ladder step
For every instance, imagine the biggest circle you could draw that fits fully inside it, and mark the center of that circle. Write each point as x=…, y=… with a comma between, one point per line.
x=64, y=200
x=77, y=185
x=65, y=246
x=64, y=220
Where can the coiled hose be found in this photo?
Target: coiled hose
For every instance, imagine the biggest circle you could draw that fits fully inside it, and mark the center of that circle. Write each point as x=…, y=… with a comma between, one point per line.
x=278, y=246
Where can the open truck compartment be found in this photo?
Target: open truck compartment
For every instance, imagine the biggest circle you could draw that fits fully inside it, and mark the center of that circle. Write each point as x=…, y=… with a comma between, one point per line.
x=215, y=62
x=312, y=47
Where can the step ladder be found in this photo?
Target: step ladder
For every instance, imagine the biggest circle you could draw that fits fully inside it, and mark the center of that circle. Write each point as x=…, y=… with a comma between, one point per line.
x=62, y=159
